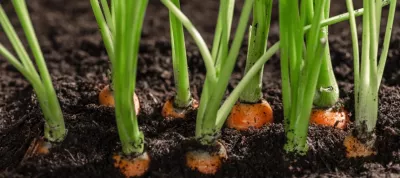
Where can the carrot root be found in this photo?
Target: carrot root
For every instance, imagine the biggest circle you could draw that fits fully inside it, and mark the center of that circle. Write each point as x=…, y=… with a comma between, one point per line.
x=132, y=167
x=38, y=147
x=244, y=115
x=106, y=98
x=337, y=118
x=206, y=162
x=170, y=112
x=356, y=148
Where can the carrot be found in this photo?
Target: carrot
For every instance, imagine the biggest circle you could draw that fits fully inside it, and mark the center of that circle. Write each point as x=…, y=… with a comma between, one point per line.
x=243, y=115
x=338, y=118
x=170, y=111
x=38, y=147
x=106, y=98
x=132, y=167
x=206, y=162
x=356, y=148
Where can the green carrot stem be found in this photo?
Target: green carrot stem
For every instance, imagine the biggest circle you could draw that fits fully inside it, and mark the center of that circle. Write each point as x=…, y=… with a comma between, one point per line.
x=128, y=21
x=257, y=46
x=183, y=96
x=54, y=125
x=356, y=53
x=386, y=42
x=284, y=60
x=104, y=29
x=327, y=91
x=226, y=15
x=16, y=43
x=54, y=129
x=107, y=14
x=208, y=61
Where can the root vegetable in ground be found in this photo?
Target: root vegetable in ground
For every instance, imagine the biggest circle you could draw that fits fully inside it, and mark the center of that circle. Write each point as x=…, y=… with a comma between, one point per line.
x=325, y=111
x=121, y=33
x=182, y=103
x=368, y=74
x=252, y=110
x=219, y=64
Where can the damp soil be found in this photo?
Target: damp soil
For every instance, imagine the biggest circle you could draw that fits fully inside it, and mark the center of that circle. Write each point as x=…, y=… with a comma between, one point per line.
x=78, y=64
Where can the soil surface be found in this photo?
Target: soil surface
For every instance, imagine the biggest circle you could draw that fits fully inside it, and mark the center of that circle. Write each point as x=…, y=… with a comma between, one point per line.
x=78, y=63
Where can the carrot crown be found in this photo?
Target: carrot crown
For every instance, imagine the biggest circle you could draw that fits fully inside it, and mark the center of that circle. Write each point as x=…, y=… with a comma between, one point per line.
x=54, y=129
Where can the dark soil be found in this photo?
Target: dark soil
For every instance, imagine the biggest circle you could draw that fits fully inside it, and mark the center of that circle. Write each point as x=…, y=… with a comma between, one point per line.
x=78, y=63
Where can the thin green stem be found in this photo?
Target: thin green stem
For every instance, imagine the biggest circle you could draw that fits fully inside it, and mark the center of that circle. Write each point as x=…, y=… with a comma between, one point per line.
x=217, y=35
x=295, y=54
x=54, y=126
x=107, y=14
x=208, y=61
x=183, y=97
x=345, y=16
x=386, y=42
x=356, y=53
x=285, y=47
x=16, y=42
x=327, y=91
x=257, y=47
x=33, y=79
x=104, y=30
x=129, y=16
x=226, y=16
x=365, y=110
x=224, y=24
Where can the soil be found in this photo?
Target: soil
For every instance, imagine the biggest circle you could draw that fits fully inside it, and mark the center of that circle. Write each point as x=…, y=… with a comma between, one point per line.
x=78, y=64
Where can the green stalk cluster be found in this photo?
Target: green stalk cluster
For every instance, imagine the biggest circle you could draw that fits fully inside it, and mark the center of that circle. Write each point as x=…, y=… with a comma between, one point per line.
x=54, y=128
x=300, y=68
x=368, y=71
x=183, y=97
x=220, y=62
x=121, y=29
x=258, y=37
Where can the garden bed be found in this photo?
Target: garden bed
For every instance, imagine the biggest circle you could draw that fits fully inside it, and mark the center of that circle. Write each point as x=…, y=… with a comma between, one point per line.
x=78, y=63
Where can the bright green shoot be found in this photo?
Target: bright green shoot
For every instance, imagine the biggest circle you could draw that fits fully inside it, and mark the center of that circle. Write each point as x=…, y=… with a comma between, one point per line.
x=368, y=71
x=183, y=97
x=121, y=30
x=300, y=68
x=257, y=47
x=54, y=128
